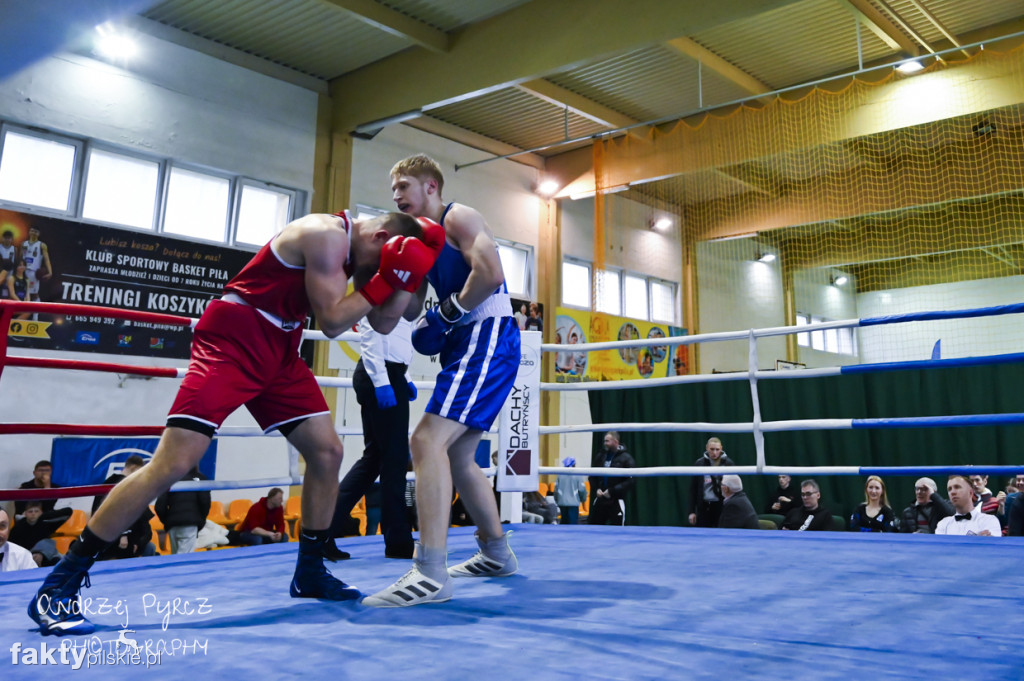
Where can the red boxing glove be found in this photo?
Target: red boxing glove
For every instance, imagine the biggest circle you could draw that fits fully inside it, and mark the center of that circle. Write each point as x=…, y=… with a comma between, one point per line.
x=433, y=235
x=404, y=261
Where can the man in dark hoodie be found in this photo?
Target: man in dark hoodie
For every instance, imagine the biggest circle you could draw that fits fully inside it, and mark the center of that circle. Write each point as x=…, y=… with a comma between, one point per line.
x=183, y=513
x=706, y=490
x=608, y=491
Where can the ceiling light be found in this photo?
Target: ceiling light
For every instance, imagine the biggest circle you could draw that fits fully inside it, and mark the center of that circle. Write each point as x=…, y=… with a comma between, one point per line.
x=547, y=188
x=113, y=45
x=910, y=66
x=661, y=224
x=840, y=280
x=765, y=257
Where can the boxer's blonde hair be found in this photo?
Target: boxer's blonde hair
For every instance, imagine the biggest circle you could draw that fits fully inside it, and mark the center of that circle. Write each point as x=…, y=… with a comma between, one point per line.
x=420, y=166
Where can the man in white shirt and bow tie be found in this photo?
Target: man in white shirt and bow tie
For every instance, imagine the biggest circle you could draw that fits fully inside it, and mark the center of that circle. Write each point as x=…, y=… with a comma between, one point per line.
x=968, y=518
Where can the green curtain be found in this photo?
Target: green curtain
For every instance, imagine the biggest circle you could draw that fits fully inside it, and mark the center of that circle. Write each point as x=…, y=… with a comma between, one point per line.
x=936, y=392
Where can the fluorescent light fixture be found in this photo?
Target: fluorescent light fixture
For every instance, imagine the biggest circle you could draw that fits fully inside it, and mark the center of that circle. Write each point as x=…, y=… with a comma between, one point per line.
x=733, y=237
x=910, y=66
x=766, y=257
x=547, y=188
x=114, y=45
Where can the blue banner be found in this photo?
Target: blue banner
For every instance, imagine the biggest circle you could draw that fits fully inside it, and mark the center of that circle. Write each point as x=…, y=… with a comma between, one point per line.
x=90, y=461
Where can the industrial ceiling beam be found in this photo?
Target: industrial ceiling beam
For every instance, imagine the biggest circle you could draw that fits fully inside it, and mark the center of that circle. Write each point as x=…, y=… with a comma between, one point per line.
x=395, y=23
x=490, y=56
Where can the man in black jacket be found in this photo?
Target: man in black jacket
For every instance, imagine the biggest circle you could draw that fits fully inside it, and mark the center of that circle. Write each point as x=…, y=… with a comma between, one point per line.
x=183, y=514
x=136, y=540
x=608, y=491
x=928, y=509
x=737, y=511
x=706, y=490
x=812, y=516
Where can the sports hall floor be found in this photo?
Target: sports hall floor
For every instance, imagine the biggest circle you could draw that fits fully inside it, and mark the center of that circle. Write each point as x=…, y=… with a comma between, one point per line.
x=590, y=603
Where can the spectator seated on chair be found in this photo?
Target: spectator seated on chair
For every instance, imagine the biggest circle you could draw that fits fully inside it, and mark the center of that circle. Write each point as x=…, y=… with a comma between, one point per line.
x=538, y=509
x=923, y=516
x=264, y=523
x=136, y=541
x=12, y=556
x=812, y=515
x=737, y=511
x=35, y=533
x=41, y=480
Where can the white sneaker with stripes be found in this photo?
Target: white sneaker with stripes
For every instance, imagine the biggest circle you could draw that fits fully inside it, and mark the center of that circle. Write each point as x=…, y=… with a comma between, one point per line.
x=484, y=565
x=414, y=588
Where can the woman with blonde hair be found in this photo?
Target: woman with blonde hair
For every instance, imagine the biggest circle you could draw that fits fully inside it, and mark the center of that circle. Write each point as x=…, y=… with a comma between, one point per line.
x=874, y=515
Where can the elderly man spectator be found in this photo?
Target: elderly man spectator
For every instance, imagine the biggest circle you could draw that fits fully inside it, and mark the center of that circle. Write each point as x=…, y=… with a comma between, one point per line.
x=928, y=509
x=968, y=519
x=706, y=490
x=812, y=515
x=737, y=511
x=12, y=556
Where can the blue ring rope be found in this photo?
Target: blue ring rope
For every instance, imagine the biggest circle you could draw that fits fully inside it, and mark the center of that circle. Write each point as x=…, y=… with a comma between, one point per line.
x=933, y=363
x=1013, y=308
x=940, y=421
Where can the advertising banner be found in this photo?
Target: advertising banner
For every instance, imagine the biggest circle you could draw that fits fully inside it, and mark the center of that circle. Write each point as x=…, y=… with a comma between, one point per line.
x=519, y=427
x=582, y=326
x=86, y=264
x=89, y=461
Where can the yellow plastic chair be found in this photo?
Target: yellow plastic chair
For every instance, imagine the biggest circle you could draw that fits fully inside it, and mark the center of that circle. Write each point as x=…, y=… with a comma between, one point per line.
x=74, y=525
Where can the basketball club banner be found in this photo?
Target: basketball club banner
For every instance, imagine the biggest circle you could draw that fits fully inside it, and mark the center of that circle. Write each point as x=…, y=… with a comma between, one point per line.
x=89, y=461
x=92, y=265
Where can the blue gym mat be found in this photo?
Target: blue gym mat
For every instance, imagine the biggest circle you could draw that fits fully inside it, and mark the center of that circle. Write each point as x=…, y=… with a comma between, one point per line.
x=589, y=603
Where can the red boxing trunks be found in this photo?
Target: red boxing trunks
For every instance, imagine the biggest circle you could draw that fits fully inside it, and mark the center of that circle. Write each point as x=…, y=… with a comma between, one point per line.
x=239, y=357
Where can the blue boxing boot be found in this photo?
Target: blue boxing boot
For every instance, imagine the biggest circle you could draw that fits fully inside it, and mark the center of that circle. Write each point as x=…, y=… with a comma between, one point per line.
x=57, y=606
x=312, y=579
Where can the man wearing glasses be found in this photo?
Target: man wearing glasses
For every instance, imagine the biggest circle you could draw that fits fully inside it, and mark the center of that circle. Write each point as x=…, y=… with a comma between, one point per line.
x=812, y=516
x=923, y=516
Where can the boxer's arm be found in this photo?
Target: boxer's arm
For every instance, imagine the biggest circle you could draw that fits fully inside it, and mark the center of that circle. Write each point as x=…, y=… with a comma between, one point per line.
x=325, y=252
x=466, y=227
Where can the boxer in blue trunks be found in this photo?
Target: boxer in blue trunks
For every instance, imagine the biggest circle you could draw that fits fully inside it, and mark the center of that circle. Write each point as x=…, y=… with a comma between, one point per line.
x=477, y=338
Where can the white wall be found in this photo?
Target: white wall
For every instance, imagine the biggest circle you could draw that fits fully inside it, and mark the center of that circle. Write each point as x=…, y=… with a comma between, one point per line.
x=174, y=103
x=960, y=337
x=737, y=292
x=500, y=190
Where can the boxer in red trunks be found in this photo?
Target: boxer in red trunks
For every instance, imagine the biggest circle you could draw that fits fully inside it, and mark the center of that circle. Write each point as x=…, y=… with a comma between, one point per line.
x=245, y=351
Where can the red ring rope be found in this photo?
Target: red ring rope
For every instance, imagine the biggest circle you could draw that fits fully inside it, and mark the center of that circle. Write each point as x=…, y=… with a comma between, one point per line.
x=76, y=429
x=39, y=493
x=84, y=365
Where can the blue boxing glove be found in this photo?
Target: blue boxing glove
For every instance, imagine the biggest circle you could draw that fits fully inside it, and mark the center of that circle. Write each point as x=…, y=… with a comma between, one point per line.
x=431, y=331
x=385, y=396
x=412, y=390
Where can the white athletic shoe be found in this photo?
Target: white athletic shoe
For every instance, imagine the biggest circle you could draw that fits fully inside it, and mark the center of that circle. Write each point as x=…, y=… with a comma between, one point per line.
x=484, y=565
x=414, y=588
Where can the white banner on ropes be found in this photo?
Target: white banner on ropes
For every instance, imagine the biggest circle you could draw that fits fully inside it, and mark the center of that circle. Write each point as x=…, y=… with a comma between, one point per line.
x=519, y=430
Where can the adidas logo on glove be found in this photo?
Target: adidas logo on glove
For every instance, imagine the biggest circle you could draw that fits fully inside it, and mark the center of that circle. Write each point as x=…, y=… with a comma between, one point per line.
x=402, y=274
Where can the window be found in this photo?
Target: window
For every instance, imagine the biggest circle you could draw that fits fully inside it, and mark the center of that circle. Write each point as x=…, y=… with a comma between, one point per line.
x=121, y=189
x=803, y=339
x=516, y=262
x=39, y=173
x=636, y=297
x=609, y=292
x=37, y=170
x=575, y=284
x=197, y=205
x=663, y=302
x=263, y=211
x=837, y=341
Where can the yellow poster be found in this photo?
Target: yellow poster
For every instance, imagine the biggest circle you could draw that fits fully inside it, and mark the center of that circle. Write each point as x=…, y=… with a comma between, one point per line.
x=573, y=327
